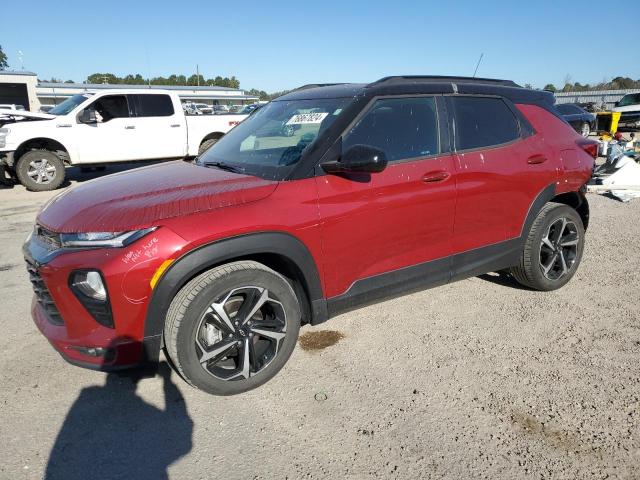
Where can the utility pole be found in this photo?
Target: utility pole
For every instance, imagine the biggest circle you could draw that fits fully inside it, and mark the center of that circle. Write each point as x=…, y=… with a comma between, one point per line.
x=198, y=74
x=20, y=58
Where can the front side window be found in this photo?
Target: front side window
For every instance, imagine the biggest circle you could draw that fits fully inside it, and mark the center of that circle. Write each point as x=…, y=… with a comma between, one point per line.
x=153, y=105
x=403, y=128
x=111, y=106
x=483, y=122
x=275, y=137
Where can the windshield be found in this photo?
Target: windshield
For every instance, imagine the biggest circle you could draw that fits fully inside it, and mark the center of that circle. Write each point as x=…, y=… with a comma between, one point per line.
x=275, y=136
x=69, y=104
x=630, y=99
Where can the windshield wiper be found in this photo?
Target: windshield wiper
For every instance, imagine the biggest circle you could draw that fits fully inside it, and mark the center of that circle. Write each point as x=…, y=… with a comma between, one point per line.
x=224, y=166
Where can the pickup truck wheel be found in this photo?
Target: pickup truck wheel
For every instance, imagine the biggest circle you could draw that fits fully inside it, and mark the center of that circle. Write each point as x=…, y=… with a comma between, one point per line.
x=204, y=146
x=553, y=249
x=40, y=170
x=232, y=328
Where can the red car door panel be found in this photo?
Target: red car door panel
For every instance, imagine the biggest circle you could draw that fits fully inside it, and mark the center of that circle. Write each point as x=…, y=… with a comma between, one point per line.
x=393, y=220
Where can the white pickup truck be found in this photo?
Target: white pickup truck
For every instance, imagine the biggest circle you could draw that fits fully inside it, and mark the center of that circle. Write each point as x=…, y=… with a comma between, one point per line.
x=98, y=128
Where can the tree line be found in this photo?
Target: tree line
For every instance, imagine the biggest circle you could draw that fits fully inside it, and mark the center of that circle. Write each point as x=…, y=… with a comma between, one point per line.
x=618, y=83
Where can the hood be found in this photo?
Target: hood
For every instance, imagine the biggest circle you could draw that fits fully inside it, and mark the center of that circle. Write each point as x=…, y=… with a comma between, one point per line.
x=22, y=114
x=628, y=108
x=143, y=197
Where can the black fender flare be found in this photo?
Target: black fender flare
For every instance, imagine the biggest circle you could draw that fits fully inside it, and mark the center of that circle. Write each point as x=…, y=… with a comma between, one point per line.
x=206, y=256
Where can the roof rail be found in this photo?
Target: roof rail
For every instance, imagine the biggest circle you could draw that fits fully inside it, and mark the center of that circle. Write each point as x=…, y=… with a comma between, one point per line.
x=442, y=79
x=316, y=85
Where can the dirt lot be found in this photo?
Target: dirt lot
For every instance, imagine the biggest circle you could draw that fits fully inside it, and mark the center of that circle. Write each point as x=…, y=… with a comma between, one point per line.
x=478, y=379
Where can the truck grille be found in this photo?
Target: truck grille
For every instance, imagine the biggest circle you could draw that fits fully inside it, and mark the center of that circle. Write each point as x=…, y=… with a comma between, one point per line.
x=43, y=296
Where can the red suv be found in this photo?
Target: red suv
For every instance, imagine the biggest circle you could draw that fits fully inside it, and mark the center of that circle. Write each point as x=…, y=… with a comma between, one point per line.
x=327, y=199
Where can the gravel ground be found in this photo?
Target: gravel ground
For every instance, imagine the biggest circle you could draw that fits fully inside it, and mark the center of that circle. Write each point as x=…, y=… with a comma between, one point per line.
x=477, y=379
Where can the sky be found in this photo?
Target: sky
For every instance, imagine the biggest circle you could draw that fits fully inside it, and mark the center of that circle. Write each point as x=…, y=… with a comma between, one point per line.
x=280, y=45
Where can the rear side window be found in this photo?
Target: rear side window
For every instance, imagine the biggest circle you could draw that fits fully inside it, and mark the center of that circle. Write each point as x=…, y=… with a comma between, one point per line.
x=153, y=105
x=483, y=122
x=401, y=127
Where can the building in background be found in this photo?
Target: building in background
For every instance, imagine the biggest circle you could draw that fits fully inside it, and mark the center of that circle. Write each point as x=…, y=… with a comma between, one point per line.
x=19, y=88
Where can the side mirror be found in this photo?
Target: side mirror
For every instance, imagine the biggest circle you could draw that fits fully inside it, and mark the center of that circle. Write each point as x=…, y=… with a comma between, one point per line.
x=617, y=104
x=88, y=115
x=360, y=159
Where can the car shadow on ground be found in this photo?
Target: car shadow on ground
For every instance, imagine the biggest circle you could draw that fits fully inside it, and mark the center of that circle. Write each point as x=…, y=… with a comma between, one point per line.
x=504, y=279
x=111, y=433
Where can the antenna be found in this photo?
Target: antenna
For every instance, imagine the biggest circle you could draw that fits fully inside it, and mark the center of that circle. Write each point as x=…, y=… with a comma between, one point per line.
x=477, y=65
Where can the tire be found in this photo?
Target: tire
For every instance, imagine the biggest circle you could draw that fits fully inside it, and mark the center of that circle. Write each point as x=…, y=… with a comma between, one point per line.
x=204, y=146
x=553, y=249
x=40, y=170
x=204, y=322
x=585, y=129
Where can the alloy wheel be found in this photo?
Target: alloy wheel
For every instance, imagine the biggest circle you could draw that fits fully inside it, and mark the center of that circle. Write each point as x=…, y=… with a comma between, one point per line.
x=559, y=248
x=585, y=130
x=41, y=171
x=240, y=333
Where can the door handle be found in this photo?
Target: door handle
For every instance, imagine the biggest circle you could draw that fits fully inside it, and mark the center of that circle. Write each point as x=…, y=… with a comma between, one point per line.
x=536, y=159
x=175, y=125
x=433, y=177
x=130, y=127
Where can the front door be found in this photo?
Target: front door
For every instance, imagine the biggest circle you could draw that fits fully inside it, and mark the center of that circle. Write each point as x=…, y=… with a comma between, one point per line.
x=112, y=137
x=380, y=223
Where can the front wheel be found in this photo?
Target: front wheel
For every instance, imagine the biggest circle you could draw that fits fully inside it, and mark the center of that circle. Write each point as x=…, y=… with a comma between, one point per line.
x=553, y=249
x=232, y=328
x=204, y=146
x=40, y=170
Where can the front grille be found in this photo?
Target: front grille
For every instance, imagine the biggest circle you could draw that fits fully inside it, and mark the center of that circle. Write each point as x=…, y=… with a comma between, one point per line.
x=44, y=297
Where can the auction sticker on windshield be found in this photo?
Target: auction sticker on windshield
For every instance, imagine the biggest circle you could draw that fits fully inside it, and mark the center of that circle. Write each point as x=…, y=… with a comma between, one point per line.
x=302, y=118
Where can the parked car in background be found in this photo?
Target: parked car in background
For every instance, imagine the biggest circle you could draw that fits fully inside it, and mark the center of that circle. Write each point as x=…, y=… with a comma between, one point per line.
x=220, y=109
x=248, y=109
x=220, y=262
x=582, y=121
x=629, y=107
x=98, y=128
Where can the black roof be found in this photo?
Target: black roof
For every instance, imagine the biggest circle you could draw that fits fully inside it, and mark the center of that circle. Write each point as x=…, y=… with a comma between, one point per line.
x=421, y=84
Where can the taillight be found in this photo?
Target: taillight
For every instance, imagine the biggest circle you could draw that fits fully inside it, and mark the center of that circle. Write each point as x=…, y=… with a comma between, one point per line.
x=589, y=146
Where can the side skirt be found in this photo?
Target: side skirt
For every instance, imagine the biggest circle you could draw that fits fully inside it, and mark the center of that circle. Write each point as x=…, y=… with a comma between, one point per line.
x=426, y=275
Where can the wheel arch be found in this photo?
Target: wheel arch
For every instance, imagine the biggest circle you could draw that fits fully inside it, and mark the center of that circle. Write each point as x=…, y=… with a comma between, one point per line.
x=44, y=143
x=282, y=252
x=578, y=201
x=212, y=136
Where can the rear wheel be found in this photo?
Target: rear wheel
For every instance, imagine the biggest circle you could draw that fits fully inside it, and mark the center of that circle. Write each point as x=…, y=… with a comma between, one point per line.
x=232, y=328
x=40, y=170
x=553, y=249
x=585, y=129
x=204, y=146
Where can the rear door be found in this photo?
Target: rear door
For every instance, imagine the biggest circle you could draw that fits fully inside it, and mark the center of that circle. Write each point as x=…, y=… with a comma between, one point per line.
x=380, y=223
x=161, y=130
x=501, y=167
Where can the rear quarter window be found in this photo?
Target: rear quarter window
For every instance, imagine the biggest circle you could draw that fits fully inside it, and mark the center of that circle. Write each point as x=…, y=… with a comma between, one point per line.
x=483, y=122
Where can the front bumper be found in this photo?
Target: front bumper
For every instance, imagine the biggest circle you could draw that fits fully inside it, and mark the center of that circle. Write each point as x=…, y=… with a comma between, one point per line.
x=67, y=324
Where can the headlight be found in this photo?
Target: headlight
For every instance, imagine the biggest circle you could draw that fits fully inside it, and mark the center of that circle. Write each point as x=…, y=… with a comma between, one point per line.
x=3, y=136
x=103, y=239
